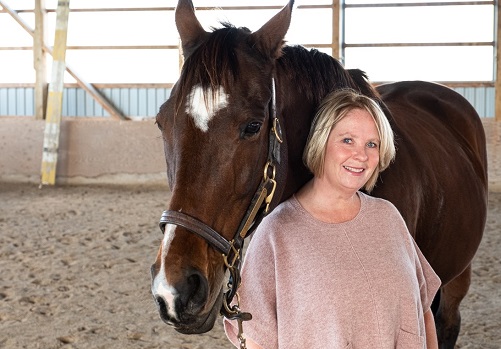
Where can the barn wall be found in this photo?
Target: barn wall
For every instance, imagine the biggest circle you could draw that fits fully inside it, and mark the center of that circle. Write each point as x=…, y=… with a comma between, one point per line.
x=145, y=102
x=493, y=134
x=134, y=102
x=94, y=150
x=101, y=150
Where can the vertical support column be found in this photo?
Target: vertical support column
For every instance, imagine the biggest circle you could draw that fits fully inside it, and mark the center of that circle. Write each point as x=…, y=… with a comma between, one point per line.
x=55, y=100
x=336, y=26
x=181, y=57
x=39, y=60
x=497, y=83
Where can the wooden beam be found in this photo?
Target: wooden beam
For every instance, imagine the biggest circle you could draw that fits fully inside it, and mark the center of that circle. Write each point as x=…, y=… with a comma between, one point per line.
x=497, y=86
x=110, y=108
x=39, y=60
x=336, y=29
x=421, y=44
x=422, y=4
x=55, y=99
x=180, y=55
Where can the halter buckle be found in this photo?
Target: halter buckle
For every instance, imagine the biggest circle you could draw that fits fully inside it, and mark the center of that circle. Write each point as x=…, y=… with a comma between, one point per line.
x=235, y=258
x=269, y=198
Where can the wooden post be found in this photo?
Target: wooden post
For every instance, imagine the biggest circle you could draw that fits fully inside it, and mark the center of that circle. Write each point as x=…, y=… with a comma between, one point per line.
x=336, y=26
x=55, y=99
x=181, y=57
x=39, y=60
x=497, y=83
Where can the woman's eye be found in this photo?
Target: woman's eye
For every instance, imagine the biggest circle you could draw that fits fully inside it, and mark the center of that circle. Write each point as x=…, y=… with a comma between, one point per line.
x=347, y=140
x=252, y=128
x=372, y=145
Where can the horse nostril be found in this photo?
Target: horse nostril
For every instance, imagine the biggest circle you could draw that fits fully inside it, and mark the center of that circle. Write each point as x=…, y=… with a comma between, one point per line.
x=162, y=308
x=199, y=286
x=194, y=293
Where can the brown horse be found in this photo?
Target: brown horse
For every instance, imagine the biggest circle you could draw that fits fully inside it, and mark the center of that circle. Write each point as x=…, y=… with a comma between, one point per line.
x=222, y=137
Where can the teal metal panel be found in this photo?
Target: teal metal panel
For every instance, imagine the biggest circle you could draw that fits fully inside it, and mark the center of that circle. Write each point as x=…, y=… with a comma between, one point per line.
x=20, y=101
x=89, y=104
x=490, y=96
x=151, y=102
x=4, y=101
x=133, y=102
x=161, y=98
x=71, y=102
x=145, y=102
x=124, y=101
x=142, y=101
x=29, y=101
x=80, y=103
x=12, y=101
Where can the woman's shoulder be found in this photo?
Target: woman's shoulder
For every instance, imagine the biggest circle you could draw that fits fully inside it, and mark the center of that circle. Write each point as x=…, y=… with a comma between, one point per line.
x=284, y=211
x=377, y=203
x=378, y=206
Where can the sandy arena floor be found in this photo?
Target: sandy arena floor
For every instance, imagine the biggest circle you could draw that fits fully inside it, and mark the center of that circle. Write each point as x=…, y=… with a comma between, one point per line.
x=74, y=272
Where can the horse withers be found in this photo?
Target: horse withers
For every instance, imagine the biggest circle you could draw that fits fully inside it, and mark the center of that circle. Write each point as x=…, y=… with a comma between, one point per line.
x=218, y=127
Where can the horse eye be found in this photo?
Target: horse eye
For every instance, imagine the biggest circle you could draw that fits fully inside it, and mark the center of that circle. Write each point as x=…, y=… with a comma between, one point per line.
x=252, y=128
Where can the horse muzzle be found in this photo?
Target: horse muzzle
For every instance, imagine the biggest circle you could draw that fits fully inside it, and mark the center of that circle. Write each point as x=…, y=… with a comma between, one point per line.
x=184, y=304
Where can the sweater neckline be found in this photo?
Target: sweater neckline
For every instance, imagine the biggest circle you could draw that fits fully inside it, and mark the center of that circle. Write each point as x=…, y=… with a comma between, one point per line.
x=363, y=202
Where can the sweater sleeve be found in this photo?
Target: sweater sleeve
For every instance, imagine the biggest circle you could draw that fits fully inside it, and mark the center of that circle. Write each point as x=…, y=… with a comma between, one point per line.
x=429, y=282
x=258, y=291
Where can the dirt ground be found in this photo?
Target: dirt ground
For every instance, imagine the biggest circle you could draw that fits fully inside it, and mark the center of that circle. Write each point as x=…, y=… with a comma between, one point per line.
x=74, y=272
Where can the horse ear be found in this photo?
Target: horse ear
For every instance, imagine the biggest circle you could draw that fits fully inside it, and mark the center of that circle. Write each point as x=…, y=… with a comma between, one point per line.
x=189, y=28
x=269, y=39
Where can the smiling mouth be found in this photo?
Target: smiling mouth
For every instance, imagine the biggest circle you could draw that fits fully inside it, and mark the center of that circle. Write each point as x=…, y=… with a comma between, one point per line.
x=353, y=169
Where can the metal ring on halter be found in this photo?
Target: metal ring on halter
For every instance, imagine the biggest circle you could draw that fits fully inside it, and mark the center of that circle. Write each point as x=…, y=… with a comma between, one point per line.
x=268, y=165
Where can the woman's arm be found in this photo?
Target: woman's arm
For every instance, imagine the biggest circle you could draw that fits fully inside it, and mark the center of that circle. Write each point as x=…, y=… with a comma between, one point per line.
x=431, y=332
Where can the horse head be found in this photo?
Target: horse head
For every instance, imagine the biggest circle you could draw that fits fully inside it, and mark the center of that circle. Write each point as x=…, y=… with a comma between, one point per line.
x=216, y=127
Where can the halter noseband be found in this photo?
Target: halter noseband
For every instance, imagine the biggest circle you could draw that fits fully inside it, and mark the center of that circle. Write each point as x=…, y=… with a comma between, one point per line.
x=259, y=207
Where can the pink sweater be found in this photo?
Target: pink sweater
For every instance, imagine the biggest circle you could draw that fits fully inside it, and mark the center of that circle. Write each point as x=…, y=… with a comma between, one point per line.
x=359, y=284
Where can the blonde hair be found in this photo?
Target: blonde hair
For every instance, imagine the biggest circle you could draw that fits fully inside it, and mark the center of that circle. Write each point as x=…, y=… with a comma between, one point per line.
x=334, y=108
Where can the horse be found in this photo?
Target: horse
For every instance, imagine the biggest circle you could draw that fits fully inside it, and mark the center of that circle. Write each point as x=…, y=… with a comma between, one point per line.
x=234, y=129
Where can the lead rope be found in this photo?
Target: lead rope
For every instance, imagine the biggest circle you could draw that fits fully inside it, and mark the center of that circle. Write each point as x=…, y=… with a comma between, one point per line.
x=233, y=312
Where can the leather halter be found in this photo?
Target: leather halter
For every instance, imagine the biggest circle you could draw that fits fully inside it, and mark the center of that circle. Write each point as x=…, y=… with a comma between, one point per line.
x=259, y=207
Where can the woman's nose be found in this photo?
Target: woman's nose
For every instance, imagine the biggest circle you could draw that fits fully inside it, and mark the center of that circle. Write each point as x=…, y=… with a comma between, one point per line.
x=360, y=153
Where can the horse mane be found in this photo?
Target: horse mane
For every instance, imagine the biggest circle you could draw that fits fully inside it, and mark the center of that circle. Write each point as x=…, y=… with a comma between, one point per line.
x=214, y=64
x=317, y=73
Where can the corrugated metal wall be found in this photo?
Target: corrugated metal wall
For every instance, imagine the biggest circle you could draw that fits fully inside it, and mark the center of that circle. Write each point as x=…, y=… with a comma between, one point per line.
x=145, y=102
x=482, y=98
x=134, y=102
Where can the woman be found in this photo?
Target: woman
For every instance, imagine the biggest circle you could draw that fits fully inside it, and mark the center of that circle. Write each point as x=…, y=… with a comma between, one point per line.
x=333, y=267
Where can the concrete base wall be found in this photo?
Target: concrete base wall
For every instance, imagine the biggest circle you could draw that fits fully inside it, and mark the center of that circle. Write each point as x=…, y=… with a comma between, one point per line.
x=90, y=151
x=493, y=135
x=106, y=151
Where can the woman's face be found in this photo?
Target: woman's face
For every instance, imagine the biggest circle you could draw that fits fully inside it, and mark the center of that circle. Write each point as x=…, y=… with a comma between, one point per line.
x=352, y=152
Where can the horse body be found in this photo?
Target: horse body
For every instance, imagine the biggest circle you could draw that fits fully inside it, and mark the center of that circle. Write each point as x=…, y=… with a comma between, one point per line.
x=439, y=179
x=216, y=150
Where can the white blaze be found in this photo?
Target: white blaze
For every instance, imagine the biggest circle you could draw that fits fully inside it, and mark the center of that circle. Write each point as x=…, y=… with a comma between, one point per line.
x=203, y=111
x=160, y=285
